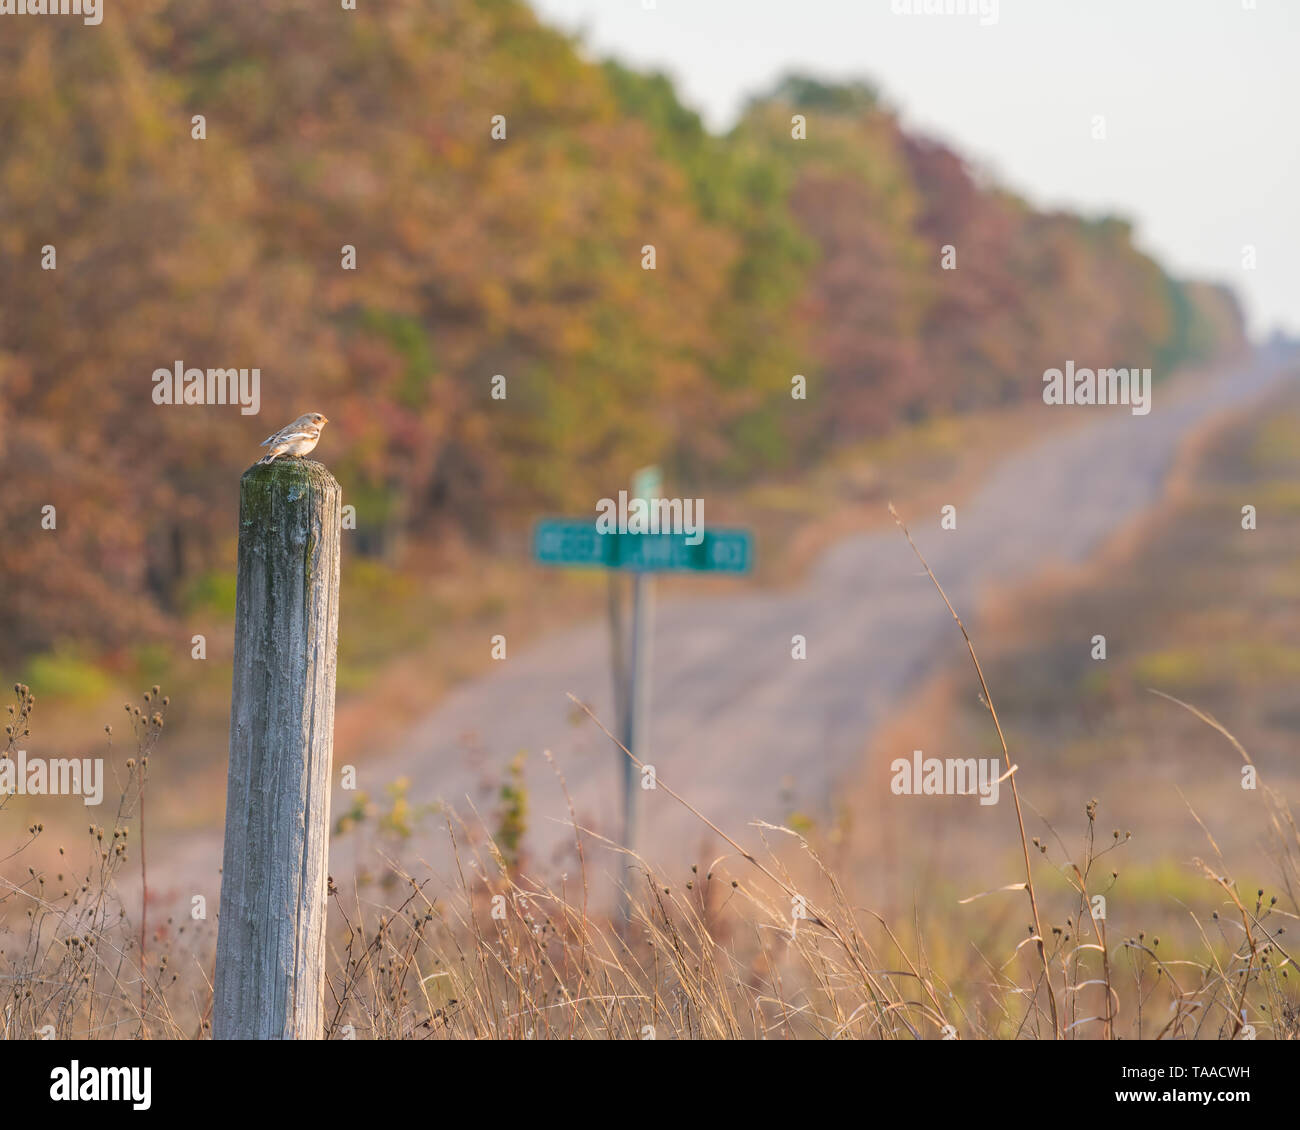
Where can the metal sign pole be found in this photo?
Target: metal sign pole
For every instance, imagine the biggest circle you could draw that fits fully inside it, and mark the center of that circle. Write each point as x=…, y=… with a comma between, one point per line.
x=636, y=734
x=618, y=652
x=647, y=484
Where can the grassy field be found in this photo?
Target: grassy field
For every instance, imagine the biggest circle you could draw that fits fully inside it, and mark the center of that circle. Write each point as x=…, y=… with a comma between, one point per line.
x=1193, y=608
x=1126, y=795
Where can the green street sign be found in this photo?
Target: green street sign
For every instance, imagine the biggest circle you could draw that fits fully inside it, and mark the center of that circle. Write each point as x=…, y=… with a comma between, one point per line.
x=728, y=551
x=721, y=551
x=572, y=541
x=575, y=542
x=656, y=553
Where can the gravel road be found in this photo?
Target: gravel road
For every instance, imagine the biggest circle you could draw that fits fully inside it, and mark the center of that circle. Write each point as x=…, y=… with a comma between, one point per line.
x=735, y=717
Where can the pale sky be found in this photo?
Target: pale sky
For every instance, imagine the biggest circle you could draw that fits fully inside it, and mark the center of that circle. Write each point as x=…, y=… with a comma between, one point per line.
x=1199, y=97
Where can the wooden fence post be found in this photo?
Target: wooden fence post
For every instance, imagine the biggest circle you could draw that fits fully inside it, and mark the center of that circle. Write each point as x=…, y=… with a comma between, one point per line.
x=270, y=975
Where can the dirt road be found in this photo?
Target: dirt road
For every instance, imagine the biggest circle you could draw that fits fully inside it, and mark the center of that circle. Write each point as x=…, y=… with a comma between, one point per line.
x=736, y=719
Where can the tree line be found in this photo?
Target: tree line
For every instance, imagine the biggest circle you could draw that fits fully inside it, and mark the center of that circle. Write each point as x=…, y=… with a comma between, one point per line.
x=198, y=169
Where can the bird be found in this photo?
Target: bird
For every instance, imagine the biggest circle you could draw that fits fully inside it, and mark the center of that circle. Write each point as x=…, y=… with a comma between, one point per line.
x=297, y=438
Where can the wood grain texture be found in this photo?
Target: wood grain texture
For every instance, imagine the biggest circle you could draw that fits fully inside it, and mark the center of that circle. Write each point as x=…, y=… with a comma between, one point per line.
x=270, y=972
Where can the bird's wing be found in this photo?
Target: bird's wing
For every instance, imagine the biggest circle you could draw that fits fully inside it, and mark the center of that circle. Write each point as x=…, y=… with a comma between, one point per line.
x=269, y=439
x=289, y=437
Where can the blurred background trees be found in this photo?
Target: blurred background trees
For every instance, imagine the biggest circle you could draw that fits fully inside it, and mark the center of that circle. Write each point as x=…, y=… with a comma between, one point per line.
x=477, y=257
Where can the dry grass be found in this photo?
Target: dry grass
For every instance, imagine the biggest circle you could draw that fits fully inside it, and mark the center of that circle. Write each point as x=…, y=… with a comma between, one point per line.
x=757, y=944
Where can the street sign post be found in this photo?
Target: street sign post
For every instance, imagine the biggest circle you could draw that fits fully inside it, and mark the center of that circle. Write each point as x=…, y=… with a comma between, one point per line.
x=576, y=543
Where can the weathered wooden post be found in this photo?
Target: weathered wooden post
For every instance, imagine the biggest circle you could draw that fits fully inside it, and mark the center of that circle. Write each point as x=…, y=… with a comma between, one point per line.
x=270, y=976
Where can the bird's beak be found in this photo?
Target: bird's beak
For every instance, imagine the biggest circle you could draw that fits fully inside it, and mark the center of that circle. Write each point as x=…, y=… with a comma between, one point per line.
x=324, y=419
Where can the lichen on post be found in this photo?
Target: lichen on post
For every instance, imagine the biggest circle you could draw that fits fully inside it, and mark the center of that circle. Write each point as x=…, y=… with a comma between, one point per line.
x=270, y=972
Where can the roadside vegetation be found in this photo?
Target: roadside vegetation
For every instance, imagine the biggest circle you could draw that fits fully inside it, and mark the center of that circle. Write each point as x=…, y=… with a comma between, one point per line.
x=788, y=932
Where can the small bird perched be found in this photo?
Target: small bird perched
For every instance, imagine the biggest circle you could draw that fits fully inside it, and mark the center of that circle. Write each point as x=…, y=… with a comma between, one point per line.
x=297, y=438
